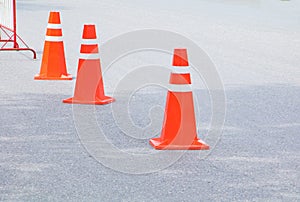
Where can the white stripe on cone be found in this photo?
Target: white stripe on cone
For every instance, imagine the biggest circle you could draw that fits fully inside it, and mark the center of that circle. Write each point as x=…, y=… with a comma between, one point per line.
x=181, y=70
x=89, y=42
x=54, y=26
x=54, y=38
x=180, y=88
x=89, y=56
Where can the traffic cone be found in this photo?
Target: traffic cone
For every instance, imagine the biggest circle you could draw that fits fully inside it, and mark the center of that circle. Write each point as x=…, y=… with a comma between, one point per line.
x=89, y=87
x=179, y=127
x=53, y=65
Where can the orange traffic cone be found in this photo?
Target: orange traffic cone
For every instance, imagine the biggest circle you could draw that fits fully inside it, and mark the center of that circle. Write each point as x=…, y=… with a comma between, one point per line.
x=179, y=127
x=89, y=87
x=53, y=65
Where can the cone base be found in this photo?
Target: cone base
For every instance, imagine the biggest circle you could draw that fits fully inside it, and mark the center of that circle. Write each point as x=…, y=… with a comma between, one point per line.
x=62, y=77
x=102, y=101
x=160, y=144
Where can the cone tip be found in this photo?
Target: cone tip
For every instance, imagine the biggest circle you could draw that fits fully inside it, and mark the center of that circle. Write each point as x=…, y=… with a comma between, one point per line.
x=180, y=57
x=89, y=31
x=89, y=24
x=54, y=17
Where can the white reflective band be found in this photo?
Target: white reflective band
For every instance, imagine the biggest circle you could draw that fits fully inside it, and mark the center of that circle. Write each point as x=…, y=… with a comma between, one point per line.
x=180, y=87
x=89, y=56
x=89, y=42
x=54, y=26
x=54, y=38
x=181, y=70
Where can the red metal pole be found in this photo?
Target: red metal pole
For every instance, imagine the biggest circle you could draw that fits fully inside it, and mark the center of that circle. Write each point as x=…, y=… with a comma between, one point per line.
x=15, y=23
